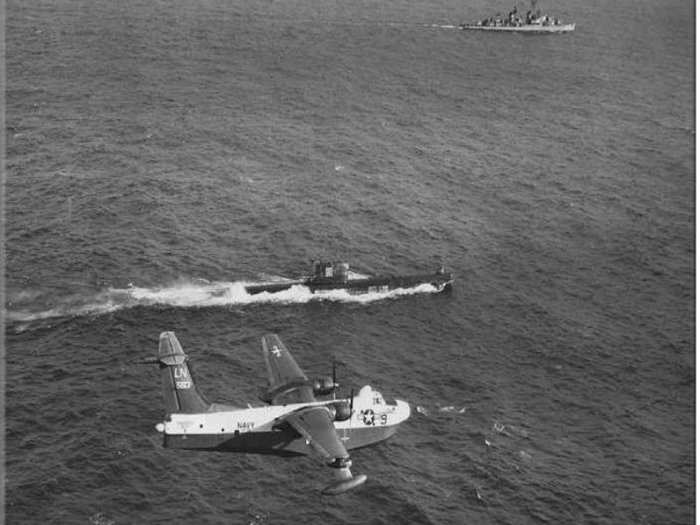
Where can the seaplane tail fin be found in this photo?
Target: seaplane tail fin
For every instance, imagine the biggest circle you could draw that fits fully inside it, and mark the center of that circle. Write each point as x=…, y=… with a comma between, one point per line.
x=179, y=389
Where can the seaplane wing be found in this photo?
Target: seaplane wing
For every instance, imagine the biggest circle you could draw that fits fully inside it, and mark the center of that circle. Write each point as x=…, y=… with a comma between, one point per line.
x=287, y=382
x=316, y=427
x=281, y=366
x=314, y=423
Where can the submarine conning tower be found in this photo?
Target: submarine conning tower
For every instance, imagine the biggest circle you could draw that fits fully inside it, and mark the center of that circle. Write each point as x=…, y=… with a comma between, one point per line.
x=327, y=271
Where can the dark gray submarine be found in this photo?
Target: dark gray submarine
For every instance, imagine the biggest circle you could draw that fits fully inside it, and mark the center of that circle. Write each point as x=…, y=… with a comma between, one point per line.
x=336, y=276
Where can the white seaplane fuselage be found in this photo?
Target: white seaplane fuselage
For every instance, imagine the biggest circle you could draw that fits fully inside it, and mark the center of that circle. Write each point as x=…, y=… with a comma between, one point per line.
x=262, y=429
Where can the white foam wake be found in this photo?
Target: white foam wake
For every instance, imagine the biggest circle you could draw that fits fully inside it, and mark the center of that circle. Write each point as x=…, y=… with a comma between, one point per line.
x=442, y=26
x=198, y=294
x=234, y=293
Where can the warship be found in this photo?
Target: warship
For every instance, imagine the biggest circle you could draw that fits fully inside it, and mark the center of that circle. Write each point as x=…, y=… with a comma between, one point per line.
x=328, y=275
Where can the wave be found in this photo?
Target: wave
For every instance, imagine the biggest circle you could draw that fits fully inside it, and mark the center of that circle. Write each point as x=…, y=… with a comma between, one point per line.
x=449, y=409
x=197, y=294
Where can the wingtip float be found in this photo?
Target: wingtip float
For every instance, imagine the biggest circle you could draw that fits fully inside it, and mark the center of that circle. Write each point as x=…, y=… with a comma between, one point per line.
x=293, y=422
x=336, y=275
x=344, y=485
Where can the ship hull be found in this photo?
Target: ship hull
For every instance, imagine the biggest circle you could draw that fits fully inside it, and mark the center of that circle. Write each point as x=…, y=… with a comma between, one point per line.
x=532, y=28
x=284, y=442
x=358, y=286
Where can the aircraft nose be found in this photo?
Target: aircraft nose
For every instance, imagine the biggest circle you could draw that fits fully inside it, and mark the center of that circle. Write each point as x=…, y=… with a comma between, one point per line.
x=403, y=410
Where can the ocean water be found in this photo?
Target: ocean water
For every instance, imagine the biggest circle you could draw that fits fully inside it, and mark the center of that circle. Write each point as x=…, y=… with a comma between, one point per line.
x=161, y=154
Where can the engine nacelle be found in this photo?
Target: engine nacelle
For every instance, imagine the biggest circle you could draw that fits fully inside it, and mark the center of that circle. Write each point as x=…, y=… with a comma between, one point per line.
x=340, y=411
x=323, y=386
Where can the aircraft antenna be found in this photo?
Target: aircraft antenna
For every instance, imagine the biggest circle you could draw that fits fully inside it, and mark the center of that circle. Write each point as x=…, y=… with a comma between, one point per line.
x=335, y=383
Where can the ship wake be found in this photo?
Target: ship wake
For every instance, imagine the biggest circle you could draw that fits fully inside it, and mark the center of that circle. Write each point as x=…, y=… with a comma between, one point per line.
x=186, y=294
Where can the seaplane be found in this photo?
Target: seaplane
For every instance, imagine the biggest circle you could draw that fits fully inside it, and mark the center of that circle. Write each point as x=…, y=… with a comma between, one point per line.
x=294, y=420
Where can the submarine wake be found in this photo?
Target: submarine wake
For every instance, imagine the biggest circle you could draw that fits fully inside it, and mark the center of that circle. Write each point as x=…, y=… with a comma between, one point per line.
x=192, y=294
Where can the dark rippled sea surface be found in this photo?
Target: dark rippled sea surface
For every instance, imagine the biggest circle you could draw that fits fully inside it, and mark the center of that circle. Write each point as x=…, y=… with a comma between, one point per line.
x=160, y=154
